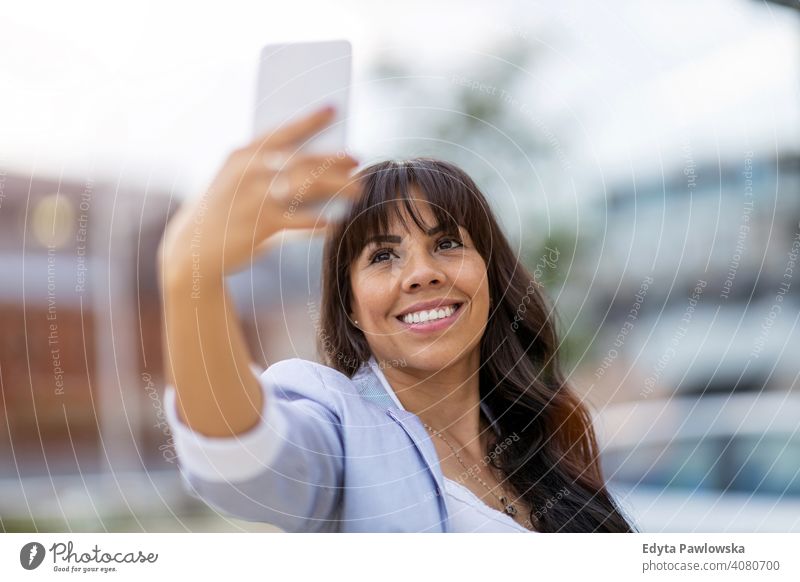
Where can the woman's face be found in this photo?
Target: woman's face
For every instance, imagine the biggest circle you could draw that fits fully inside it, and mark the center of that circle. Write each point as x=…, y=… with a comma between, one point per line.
x=421, y=298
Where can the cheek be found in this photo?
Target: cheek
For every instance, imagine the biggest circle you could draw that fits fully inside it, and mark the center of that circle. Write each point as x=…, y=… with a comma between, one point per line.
x=371, y=297
x=472, y=280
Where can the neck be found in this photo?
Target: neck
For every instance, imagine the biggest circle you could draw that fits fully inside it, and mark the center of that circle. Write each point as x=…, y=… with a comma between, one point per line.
x=447, y=400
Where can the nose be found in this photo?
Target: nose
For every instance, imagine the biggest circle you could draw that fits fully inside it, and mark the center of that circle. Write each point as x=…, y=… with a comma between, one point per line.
x=421, y=270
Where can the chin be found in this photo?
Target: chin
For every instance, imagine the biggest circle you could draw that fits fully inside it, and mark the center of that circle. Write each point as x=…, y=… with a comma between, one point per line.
x=433, y=359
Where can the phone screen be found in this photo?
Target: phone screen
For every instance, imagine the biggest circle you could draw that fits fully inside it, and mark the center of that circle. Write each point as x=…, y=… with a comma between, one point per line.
x=296, y=78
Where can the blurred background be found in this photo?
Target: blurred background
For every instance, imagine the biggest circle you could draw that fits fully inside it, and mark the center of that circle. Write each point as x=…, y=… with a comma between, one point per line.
x=643, y=158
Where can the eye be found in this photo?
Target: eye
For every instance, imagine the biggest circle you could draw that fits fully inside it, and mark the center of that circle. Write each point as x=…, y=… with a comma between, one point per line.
x=379, y=253
x=450, y=243
x=450, y=240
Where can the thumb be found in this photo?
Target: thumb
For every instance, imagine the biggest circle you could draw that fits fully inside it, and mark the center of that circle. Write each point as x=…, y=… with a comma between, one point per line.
x=297, y=226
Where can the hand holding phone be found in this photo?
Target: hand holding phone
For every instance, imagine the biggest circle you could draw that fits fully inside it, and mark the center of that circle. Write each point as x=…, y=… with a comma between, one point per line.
x=294, y=174
x=226, y=227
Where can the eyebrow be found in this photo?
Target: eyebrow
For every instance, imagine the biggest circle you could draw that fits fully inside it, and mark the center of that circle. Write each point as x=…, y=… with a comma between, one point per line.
x=393, y=238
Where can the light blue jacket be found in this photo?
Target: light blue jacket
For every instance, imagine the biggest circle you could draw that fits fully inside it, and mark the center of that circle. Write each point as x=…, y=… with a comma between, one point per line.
x=342, y=457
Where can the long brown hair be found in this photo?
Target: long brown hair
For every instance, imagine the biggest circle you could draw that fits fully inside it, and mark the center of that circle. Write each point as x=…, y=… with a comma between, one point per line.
x=552, y=461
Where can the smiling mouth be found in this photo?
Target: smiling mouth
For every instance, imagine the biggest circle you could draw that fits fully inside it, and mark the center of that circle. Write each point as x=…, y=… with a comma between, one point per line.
x=430, y=316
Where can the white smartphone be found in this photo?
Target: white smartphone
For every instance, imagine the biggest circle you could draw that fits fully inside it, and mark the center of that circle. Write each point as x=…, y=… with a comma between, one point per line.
x=294, y=79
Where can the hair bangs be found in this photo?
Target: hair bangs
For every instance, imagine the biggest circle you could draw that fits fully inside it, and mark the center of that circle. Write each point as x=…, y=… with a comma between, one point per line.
x=391, y=192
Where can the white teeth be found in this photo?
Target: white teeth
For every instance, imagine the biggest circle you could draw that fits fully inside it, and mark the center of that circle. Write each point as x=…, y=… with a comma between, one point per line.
x=424, y=316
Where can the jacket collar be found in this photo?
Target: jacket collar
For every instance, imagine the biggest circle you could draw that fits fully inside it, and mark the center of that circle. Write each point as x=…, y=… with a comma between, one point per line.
x=369, y=381
x=372, y=385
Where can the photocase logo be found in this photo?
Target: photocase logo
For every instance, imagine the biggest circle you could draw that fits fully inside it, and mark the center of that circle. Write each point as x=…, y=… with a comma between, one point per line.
x=31, y=555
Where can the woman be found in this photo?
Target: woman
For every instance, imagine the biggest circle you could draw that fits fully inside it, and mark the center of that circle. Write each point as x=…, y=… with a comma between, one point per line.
x=442, y=406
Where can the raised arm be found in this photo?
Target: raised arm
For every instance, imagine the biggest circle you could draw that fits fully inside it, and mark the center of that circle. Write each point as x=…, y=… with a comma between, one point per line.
x=206, y=359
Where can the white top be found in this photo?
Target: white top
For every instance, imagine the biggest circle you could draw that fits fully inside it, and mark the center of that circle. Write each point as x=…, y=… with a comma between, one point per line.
x=231, y=459
x=467, y=512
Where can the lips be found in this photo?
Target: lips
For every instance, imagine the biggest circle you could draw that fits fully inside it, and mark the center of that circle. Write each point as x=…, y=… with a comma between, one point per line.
x=428, y=305
x=429, y=315
x=433, y=325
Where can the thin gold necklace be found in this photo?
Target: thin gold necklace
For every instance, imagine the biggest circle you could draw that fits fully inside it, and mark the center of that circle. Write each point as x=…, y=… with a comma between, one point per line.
x=508, y=507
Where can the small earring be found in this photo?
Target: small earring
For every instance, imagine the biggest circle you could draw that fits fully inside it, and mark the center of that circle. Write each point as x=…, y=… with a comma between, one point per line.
x=355, y=322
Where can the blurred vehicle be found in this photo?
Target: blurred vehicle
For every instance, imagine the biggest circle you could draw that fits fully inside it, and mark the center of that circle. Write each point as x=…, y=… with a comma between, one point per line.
x=719, y=463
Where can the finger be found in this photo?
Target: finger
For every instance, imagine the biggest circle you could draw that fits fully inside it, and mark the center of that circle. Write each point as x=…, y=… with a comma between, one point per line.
x=322, y=163
x=323, y=168
x=306, y=220
x=304, y=170
x=317, y=166
x=296, y=130
x=330, y=187
x=313, y=179
x=336, y=184
x=309, y=169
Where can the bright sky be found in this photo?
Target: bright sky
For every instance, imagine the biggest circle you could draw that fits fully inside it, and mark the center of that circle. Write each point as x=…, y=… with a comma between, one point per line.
x=164, y=90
